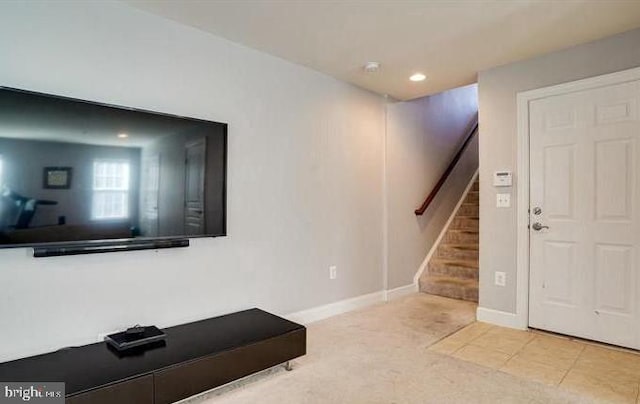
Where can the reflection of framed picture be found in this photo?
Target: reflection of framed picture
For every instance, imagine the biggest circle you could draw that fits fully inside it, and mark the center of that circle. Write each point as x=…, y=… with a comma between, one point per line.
x=57, y=177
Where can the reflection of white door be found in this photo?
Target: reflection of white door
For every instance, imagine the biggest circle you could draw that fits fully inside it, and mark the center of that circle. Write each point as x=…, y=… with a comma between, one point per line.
x=584, y=268
x=194, y=218
x=150, y=195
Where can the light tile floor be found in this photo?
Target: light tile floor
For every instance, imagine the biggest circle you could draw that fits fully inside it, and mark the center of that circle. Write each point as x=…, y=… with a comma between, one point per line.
x=603, y=373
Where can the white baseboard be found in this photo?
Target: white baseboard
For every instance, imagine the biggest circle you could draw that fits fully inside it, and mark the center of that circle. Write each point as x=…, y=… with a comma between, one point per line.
x=333, y=309
x=401, y=291
x=501, y=318
x=435, y=245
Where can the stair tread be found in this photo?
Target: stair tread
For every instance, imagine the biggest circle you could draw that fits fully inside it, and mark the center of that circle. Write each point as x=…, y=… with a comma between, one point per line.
x=461, y=246
x=455, y=262
x=440, y=279
x=464, y=231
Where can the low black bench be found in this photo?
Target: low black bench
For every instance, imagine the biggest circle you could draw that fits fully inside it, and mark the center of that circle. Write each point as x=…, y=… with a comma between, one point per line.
x=195, y=357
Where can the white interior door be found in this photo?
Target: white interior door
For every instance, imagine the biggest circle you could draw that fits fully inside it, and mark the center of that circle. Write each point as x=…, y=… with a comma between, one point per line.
x=194, y=212
x=584, y=268
x=150, y=195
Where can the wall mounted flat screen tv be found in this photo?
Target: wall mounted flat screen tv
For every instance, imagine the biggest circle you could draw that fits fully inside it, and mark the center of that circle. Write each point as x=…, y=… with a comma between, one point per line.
x=76, y=171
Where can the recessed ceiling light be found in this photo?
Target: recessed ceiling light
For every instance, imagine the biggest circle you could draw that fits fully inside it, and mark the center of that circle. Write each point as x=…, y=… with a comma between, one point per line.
x=123, y=135
x=417, y=77
x=372, y=67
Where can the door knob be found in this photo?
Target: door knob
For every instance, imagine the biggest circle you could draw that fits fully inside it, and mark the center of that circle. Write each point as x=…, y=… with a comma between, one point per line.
x=538, y=226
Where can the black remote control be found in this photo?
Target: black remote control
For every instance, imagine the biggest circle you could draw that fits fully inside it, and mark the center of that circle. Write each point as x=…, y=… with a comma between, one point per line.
x=136, y=330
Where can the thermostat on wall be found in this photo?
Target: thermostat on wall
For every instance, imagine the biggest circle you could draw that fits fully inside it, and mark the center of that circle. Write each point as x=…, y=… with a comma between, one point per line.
x=502, y=179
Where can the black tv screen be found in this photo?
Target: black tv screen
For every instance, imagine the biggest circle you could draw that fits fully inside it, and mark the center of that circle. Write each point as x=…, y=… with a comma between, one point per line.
x=74, y=171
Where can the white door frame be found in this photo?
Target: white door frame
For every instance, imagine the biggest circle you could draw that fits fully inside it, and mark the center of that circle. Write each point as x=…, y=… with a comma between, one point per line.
x=522, y=182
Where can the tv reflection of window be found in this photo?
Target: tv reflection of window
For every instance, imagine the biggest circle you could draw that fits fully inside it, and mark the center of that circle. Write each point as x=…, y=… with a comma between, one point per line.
x=110, y=190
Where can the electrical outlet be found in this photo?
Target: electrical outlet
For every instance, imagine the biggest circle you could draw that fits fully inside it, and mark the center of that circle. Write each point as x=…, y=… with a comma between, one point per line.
x=333, y=272
x=500, y=278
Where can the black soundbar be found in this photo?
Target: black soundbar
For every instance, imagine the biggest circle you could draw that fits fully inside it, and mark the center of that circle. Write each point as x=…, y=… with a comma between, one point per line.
x=108, y=246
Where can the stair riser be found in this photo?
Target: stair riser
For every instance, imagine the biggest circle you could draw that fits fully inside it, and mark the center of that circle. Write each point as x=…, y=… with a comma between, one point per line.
x=461, y=238
x=453, y=253
x=468, y=210
x=463, y=223
x=453, y=271
x=472, y=197
x=451, y=291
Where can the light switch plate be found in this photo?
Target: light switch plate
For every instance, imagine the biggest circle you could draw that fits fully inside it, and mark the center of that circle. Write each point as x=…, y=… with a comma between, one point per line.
x=503, y=200
x=500, y=278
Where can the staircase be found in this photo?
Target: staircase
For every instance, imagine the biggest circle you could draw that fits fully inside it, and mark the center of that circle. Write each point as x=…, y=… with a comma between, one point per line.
x=453, y=269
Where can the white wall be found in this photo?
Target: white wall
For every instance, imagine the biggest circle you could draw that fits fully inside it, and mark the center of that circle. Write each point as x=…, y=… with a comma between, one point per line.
x=305, y=177
x=497, y=93
x=422, y=137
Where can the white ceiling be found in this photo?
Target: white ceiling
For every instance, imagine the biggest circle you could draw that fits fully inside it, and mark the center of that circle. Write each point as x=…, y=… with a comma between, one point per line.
x=448, y=40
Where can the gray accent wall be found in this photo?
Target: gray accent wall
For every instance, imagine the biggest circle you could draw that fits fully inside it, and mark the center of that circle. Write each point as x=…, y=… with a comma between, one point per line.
x=497, y=96
x=423, y=135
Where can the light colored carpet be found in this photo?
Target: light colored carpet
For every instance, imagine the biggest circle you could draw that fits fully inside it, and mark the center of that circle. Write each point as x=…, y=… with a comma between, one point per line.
x=379, y=355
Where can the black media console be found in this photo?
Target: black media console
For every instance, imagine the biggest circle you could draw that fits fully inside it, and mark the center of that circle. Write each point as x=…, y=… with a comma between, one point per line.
x=194, y=358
